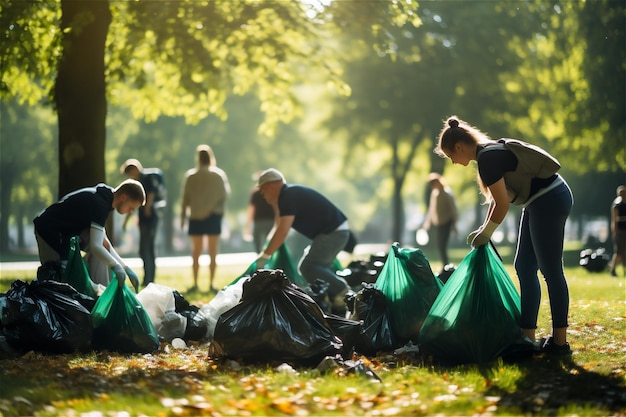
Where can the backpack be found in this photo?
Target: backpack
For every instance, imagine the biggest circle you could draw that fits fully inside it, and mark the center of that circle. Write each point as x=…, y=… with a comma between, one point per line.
x=155, y=177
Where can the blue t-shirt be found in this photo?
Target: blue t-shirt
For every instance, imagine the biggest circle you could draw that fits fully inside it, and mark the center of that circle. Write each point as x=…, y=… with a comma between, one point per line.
x=314, y=213
x=72, y=214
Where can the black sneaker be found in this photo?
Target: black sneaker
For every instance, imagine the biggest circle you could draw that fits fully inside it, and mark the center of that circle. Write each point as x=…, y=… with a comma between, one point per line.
x=551, y=348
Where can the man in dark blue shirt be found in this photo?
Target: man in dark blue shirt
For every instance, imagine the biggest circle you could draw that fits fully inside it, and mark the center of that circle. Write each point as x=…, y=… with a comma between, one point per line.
x=314, y=216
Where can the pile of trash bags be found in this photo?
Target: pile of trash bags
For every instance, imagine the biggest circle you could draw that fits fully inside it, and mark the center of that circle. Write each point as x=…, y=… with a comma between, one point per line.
x=64, y=311
x=274, y=314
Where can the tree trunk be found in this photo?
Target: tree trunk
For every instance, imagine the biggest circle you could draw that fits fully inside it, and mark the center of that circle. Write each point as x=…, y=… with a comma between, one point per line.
x=8, y=179
x=398, y=204
x=398, y=211
x=80, y=94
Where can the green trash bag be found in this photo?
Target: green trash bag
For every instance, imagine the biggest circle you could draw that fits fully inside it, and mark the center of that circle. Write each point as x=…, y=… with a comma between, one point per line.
x=475, y=318
x=410, y=289
x=120, y=323
x=76, y=273
x=281, y=259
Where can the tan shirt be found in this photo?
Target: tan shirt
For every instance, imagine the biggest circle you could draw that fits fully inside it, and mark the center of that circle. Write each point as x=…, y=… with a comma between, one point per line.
x=205, y=192
x=441, y=208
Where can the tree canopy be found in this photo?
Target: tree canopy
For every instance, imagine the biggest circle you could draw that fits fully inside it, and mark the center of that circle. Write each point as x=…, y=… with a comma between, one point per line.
x=351, y=92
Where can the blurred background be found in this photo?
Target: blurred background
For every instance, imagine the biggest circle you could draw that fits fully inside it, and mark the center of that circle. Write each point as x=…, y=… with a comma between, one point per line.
x=346, y=97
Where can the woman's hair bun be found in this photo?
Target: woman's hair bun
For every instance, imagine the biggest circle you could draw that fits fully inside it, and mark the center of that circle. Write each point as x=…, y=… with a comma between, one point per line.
x=453, y=123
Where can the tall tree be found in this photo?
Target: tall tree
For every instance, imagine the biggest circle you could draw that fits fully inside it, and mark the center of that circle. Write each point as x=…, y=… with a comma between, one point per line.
x=80, y=94
x=179, y=58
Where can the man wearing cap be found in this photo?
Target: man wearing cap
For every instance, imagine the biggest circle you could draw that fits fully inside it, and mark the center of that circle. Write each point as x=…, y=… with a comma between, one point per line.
x=152, y=181
x=314, y=216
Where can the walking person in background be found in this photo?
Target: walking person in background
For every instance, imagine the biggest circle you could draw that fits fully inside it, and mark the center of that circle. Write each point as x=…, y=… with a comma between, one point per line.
x=442, y=214
x=205, y=191
x=618, y=230
x=259, y=220
x=515, y=172
x=84, y=213
x=314, y=216
x=149, y=214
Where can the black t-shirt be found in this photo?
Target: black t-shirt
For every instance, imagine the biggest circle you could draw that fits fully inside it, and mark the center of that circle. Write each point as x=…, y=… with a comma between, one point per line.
x=314, y=213
x=72, y=214
x=152, y=181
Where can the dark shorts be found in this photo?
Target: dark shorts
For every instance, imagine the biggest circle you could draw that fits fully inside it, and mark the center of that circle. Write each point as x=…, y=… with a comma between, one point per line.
x=212, y=225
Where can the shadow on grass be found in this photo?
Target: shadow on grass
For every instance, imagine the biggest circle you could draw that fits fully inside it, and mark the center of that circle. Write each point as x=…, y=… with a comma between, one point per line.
x=553, y=385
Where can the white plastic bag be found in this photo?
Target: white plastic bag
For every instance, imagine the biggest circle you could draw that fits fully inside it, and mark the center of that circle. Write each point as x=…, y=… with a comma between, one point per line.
x=158, y=301
x=223, y=301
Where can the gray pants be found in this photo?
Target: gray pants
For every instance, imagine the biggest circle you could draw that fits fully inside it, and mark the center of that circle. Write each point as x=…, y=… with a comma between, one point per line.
x=319, y=257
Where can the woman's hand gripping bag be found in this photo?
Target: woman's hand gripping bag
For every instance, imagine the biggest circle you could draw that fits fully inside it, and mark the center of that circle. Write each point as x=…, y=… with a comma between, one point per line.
x=475, y=318
x=410, y=289
x=120, y=323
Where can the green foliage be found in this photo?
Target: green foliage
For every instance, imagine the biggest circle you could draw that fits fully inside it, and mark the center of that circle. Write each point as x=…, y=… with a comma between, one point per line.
x=27, y=164
x=29, y=49
x=192, y=55
x=345, y=96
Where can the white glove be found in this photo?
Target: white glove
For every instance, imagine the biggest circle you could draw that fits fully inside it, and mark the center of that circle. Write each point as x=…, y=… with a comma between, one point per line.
x=481, y=236
x=262, y=259
x=133, y=278
x=120, y=274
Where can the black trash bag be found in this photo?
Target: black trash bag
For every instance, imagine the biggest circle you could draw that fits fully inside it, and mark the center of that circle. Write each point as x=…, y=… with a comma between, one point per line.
x=121, y=323
x=358, y=272
x=50, y=271
x=318, y=291
x=446, y=273
x=47, y=317
x=368, y=306
x=594, y=260
x=197, y=325
x=475, y=318
x=410, y=289
x=181, y=304
x=347, y=330
x=274, y=321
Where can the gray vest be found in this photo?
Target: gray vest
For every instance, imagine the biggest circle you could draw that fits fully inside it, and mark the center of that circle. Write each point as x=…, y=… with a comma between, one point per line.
x=532, y=162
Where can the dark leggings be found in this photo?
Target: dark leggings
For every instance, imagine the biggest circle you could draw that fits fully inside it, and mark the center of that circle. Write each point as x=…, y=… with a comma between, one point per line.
x=540, y=247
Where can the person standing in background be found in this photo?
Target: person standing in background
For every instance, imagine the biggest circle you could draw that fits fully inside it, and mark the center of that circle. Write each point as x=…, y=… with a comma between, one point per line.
x=442, y=214
x=515, y=172
x=259, y=220
x=205, y=191
x=149, y=214
x=618, y=230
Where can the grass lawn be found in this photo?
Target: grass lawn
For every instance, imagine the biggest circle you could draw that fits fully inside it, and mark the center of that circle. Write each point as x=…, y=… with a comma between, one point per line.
x=188, y=382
